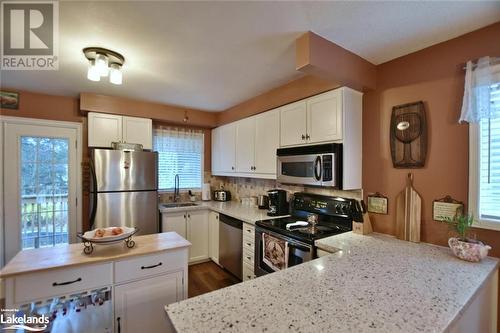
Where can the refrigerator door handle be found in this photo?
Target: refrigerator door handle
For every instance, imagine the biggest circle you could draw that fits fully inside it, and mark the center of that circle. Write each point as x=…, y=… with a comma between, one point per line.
x=94, y=194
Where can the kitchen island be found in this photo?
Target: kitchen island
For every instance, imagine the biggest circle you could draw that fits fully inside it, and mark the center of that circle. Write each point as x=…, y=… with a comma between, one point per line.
x=374, y=283
x=138, y=281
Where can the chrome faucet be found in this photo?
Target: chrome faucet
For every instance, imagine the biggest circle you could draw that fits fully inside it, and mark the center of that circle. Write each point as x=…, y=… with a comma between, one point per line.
x=176, y=188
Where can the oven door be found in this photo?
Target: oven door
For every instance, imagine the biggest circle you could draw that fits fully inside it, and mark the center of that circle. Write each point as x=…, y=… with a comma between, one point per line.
x=298, y=252
x=300, y=169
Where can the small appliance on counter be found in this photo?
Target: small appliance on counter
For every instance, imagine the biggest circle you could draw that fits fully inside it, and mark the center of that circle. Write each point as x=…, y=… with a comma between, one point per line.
x=278, y=205
x=222, y=195
x=263, y=201
x=205, y=192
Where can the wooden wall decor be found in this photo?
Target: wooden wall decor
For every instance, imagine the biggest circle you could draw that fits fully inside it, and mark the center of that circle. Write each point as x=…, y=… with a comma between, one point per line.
x=408, y=135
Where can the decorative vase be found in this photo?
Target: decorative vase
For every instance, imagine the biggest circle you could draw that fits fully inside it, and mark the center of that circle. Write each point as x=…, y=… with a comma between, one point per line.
x=469, y=250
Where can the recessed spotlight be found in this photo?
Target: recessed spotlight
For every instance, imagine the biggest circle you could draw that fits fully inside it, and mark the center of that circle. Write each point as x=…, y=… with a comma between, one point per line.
x=104, y=62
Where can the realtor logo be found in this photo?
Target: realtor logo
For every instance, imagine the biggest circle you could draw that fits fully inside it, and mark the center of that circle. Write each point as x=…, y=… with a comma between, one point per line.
x=30, y=34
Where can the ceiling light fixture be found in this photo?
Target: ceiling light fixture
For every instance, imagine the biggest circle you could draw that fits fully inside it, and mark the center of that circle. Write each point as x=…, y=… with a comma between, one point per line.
x=104, y=62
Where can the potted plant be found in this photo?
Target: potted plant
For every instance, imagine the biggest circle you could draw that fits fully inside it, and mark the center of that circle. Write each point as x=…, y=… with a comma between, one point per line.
x=464, y=247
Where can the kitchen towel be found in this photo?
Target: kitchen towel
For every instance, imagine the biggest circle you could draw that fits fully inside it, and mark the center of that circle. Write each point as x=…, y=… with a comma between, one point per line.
x=275, y=252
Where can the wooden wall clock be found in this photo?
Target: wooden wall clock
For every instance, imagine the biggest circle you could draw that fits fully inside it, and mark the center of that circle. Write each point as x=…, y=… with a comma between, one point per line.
x=408, y=135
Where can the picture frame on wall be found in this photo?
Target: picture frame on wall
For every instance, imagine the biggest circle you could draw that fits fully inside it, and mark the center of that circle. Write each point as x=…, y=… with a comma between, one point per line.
x=9, y=100
x=446, y=208
x=377, y=203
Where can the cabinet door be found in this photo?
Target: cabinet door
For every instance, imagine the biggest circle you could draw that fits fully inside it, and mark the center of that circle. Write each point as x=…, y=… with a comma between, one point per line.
x=245, y=145
x=138, y=130
x=197, y=222
x=216, y=150
x=104, y=129
x=174, y=222
x=213, y=242
x=227, y=148
x=267, y=140
x=293, y=124
x=324, y=117
x=140, y=305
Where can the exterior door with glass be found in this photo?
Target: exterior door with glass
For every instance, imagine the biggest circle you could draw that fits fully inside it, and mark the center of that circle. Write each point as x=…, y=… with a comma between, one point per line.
x=41, y=172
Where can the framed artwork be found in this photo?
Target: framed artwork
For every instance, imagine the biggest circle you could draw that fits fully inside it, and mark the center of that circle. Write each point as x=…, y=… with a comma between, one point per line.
x=377, y=203
x=9, y=100
x=446, y=208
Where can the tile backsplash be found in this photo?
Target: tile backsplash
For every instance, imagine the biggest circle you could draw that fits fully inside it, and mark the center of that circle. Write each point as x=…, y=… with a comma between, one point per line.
x=252, y=187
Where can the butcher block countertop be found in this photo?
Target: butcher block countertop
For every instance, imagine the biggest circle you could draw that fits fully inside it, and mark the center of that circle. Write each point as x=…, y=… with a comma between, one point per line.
x=35, y=260
x=373, y=283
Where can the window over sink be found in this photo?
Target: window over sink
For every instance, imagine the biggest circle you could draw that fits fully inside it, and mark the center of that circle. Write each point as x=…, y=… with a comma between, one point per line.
x=180, y=152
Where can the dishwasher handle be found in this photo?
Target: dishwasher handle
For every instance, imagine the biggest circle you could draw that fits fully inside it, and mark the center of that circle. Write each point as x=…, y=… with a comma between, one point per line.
x=231, y=221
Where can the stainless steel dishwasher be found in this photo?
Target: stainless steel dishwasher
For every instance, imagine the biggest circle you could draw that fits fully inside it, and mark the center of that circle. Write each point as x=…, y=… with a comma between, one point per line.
x=230, y=244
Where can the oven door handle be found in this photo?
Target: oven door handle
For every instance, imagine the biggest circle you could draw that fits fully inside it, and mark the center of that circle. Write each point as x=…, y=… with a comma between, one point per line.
x=300, y=247
x=317, y=168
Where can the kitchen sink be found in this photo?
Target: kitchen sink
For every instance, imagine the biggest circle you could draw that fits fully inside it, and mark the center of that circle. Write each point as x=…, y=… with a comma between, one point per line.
x=179, y=204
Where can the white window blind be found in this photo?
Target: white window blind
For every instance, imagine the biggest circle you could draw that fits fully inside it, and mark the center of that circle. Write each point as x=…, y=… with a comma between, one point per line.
x=489, y=161
x=180, y=152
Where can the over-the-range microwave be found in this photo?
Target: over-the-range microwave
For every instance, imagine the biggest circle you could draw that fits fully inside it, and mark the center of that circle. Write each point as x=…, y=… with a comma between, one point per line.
x=318, y=165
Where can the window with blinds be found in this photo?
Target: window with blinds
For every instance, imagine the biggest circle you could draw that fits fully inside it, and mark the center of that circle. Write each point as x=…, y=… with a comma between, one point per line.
x=489, y=161
x=180, y=152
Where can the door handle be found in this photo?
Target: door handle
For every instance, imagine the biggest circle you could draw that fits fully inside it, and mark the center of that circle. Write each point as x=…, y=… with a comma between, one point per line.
x=55, y=284
x=317, y=168
x=119, y=326
x=303, y=137
x=94, y=194
x=307, y=137
x=152, y=266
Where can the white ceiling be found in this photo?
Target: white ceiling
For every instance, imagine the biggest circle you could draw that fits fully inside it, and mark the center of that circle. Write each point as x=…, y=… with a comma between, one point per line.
x=213, y=55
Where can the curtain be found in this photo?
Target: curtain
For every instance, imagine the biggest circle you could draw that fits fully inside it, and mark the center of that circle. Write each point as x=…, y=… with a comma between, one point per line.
x=180, y=152
x=482, y=91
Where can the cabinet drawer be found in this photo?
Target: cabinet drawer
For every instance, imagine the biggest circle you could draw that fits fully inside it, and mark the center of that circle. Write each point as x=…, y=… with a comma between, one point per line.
x=144, y=266
x=249, y=245
x=248, y=230
x=248, y=272
x=57, y=282
x=248, y=259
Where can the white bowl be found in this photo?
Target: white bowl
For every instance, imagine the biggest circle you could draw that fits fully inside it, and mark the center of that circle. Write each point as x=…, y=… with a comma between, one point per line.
x=90, y=235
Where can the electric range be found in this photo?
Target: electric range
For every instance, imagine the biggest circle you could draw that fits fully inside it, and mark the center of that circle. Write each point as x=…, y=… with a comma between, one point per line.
x=334, y=215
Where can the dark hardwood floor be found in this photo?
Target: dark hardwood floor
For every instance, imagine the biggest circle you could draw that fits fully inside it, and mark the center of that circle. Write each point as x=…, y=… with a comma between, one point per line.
x=206, y=277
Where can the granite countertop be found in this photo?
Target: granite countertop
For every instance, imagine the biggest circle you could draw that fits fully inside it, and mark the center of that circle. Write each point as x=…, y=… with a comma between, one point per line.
x=375, y=283
x=245, y=213
x=42, y=259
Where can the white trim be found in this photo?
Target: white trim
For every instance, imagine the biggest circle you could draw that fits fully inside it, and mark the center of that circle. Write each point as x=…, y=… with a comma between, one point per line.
x=474, y=181
x=4, y=120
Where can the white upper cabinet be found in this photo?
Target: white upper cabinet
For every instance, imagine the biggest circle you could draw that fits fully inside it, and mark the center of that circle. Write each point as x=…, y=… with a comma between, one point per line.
x=104, y=129
x=252, y=149
x=267, y=140
x=138, y=130
x=245, y=145
x=227, y=138
x=324, y=117
x=107, y=128
x=293, y=124
x=313, y=120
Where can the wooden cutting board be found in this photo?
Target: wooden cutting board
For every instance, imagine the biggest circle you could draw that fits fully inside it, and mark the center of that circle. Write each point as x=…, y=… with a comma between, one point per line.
x=408, y=210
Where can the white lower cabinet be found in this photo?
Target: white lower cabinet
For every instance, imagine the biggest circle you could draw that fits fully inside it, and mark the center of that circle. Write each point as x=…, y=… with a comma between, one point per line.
x=193, y=226
x=248, y=251
x=213, y=241
x=139, y=305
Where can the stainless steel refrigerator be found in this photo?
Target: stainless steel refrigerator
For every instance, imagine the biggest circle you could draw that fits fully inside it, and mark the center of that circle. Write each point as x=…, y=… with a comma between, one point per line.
x=124, y=189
